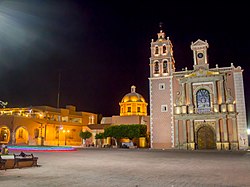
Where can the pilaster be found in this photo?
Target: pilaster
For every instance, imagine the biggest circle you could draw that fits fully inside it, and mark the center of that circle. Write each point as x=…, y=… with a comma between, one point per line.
x=177, y=144
x=191, y=144
x=184, y=143
x=225, y=143
x=234, y=145
x=218, y=137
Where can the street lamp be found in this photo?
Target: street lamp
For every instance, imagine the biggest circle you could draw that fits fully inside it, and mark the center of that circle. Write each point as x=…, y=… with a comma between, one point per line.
x=65, y=136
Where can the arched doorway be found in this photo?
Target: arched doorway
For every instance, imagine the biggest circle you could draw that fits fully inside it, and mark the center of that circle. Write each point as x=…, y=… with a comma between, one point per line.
x=22, y=136
x=206, y=138
x=4, y=135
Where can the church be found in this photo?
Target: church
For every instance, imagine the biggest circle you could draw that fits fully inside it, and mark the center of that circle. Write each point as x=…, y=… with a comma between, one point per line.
x=200, y=108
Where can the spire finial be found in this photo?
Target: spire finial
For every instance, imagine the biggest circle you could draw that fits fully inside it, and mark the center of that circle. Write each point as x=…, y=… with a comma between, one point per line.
x=160, y=26
x=133, y=89
x=161, y=34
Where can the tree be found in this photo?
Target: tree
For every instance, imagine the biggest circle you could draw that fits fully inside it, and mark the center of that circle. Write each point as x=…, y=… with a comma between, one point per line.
x=143, y=130
x=112, y=131
x=126, y=131
x=85, y=135
x=136, y=131
x=99, y=136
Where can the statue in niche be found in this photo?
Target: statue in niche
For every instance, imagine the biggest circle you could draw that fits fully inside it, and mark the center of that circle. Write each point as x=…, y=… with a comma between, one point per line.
x=230, y=98
x=178, y=101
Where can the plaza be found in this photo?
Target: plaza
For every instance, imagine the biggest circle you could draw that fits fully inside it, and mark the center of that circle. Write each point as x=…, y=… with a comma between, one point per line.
x=92, y=167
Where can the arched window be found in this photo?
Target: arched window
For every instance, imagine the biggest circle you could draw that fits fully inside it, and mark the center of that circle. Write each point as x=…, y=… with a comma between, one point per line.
x=156, y=50
x=203, y=101
x=156, y=67
x=164, y=49
x=4, y=134
x=165, y=66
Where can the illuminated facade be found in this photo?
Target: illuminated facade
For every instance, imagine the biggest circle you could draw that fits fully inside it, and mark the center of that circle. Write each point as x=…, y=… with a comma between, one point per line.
x=133, y=104
x=202, y=108
x=44, y=125
x=133, y=110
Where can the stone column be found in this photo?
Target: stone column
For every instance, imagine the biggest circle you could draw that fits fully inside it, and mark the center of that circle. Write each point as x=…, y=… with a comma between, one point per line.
x=218, y=138
x=225, y=144
x=184, y=126
x=222, y=91
x=177, y=144
x=234, y=144
x=216, y=107
x=12, y=137
x=223, y=104
x=215, y=92
x=191, y=106
x=183, y=98
x=191, y=144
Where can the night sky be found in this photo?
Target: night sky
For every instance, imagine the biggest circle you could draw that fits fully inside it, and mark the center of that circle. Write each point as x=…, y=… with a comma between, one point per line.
x=102, y=48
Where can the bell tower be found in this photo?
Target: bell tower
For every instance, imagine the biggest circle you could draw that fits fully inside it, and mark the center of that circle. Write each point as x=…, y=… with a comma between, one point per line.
x=162, y=66
x=162, y=61
x=199, y=49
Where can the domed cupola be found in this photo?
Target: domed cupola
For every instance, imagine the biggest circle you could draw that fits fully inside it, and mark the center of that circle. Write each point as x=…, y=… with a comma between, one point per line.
x=133, y=104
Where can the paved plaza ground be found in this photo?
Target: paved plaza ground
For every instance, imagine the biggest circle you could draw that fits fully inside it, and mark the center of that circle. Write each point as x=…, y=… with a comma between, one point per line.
x=106, y=167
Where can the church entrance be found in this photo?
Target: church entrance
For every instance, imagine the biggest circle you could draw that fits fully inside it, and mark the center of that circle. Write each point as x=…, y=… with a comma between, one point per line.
x=206, y=138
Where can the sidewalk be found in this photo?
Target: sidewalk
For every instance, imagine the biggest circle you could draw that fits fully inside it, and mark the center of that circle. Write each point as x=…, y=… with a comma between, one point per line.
x=94, y=167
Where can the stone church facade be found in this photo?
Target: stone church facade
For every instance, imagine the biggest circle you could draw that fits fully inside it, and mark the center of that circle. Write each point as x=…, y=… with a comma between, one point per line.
x=202, y=108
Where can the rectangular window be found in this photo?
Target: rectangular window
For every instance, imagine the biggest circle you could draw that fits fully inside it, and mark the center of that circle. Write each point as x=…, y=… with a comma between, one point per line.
x=164, y=108
x=138, y=109
x=129, y=109
x=162, y=86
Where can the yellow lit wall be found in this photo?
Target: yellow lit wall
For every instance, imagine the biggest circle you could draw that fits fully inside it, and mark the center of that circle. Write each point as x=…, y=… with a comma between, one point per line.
x=44, y=125
x=133, y=104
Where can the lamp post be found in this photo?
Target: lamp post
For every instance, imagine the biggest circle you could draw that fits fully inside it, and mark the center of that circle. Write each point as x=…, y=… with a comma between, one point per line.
x=65, y=136
x=58, y=105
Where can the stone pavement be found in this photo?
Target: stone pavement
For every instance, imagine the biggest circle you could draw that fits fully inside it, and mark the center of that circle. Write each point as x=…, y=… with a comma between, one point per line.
x=91, y=167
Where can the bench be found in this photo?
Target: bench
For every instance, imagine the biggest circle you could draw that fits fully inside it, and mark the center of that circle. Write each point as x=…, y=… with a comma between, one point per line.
x=25, y=160
x=2, y=163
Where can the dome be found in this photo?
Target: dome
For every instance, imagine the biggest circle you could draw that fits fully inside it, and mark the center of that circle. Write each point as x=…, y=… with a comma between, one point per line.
x=133, y=96
x=133, y=104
